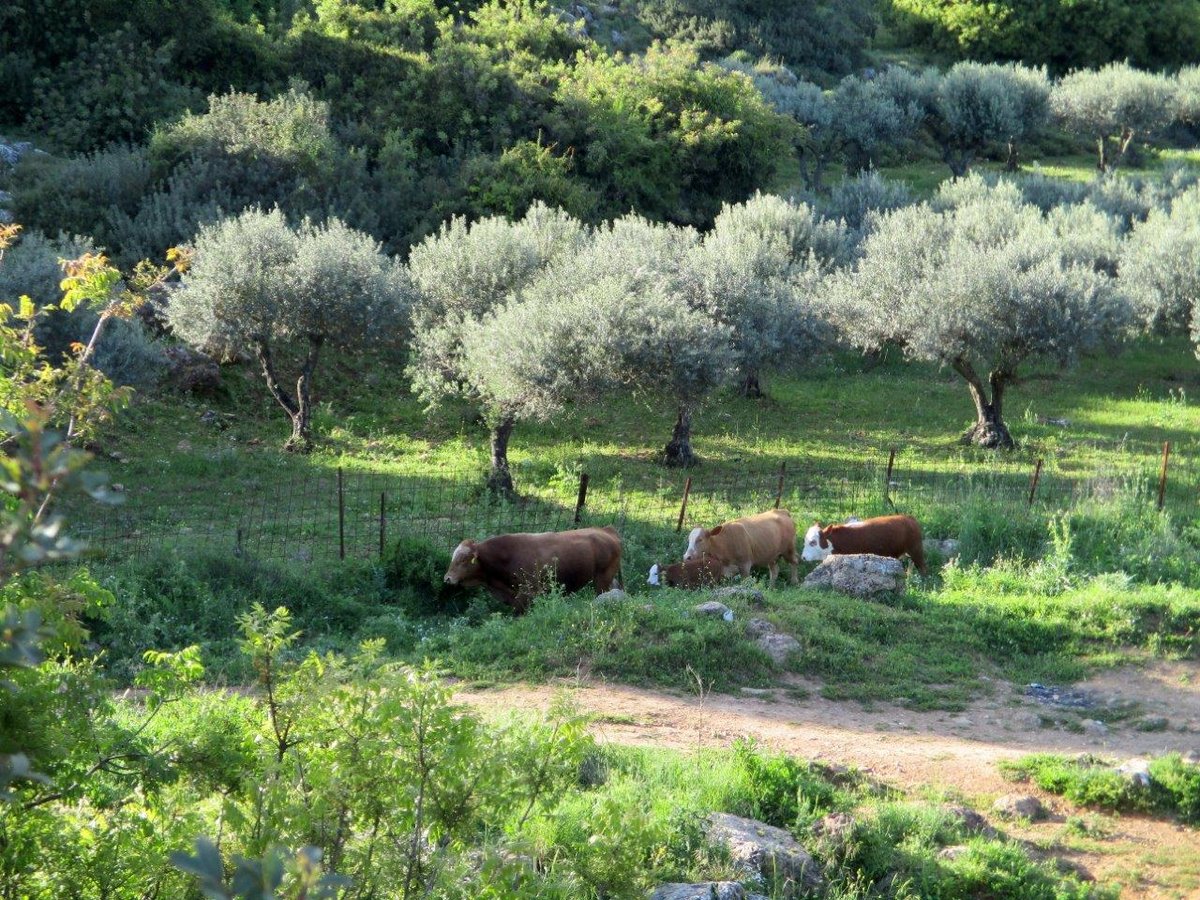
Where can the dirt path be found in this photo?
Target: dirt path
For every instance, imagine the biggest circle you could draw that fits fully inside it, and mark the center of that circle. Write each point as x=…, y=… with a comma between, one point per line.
x=952, y=752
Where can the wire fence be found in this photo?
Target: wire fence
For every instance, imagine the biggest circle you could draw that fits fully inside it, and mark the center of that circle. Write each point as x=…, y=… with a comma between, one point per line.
x=325, y=516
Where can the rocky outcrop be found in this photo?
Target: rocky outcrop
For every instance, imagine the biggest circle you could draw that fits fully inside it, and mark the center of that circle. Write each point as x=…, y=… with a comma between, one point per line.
x=859, y=575
x=704, y=890
x=715, y=609
x=765, y=850
x=1021, y=806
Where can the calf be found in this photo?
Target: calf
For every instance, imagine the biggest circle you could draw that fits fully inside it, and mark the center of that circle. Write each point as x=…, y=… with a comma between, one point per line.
x=884, y=536
x=690, y=574
x=742, y=544
x=513, y=567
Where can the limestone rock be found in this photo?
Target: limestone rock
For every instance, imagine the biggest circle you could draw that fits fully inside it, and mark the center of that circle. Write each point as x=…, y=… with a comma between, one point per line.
x=713, y=608
x=969, y=820
x=705, y=890
x=616, y=595
x=1020, y=806
x=778, y=646
x=756, y=628
x=764, y=849
x=1137, y=771
x=862, y=575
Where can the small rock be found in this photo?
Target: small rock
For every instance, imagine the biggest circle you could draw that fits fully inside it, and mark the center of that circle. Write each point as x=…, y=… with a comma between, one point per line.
x=778, y=646
x=952, y=853
x=705, y=890
x=1192, y=758
x=1137, y=771
x=1152, y=723
x=194, y=372
x=969, y=820
x=616, y=595
x=184, y=446
x=1094, y=727
x=756, y=628
x=713, y=608
x=752, y=596
x=834, y=828
x=1020, y=806
x=766, y=850
x=608, y=9
x=945, y=548
x=117, y=488
x=859, y=575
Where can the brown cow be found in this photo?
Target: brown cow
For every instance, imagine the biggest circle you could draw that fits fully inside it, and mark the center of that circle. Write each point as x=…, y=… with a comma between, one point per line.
x=747, y=542
x=884, y=536
x=512, y=566
x=690, y=574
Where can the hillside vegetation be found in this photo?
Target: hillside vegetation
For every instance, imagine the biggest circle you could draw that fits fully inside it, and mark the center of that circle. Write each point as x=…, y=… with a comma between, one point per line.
x=297, y=294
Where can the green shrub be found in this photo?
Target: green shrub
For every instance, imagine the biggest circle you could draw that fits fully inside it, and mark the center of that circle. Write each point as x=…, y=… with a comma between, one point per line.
x=1177, y=784
x=782, y=790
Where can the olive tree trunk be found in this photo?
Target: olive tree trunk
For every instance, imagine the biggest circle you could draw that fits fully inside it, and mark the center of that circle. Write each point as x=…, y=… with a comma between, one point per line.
x=751, y=386
x=500, y=480
x=678, y=453
x=1013, y=161
x=989, y=429
x=297, y=406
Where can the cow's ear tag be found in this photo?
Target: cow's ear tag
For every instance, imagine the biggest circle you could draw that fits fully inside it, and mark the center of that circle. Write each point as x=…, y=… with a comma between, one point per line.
x=474, y=559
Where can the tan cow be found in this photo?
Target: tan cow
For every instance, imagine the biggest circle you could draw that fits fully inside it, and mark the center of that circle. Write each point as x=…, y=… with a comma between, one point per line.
x=752, y=541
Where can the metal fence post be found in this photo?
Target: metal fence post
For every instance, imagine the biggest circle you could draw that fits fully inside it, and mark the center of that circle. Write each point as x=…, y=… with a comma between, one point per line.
x=779, y=489
x=382, y=521
x=687, y=489
x=582, y=498
x=1162, y=475
x=1033, y=482
x=341, y=516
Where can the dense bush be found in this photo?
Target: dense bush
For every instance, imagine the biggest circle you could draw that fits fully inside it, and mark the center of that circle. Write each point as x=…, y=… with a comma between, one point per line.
x=1060, y=34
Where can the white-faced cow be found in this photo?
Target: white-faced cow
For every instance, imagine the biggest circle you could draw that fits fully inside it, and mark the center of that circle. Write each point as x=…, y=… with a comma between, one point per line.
x=743, y=544
x=690, y=574
x=515, y=567
x=892, y=536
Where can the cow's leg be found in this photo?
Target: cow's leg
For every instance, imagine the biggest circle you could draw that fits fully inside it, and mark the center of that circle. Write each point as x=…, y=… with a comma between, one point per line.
x=773, y=569
x=508, y=596
x=794, y=559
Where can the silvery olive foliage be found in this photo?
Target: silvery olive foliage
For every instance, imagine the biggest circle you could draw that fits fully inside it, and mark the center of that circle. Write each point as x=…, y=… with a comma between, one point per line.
x=859, y=199
x=758, y=271
x=1161, y=267
x=983, y=285
x=258, y=286
x=1112, y=106
x=871, y=116
x=975, y=105
x=1187, y=95
x=463, y=276
x=622, y=320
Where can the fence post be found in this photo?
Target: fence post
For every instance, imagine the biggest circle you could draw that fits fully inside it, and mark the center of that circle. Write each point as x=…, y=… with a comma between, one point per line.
x=582, y=498
x=779, y=489
x=238, y=549
x=687, y=489
x=341, y=516
x=1033, y=482
x=887, y=479
x=382, y=521
x=1162, y=476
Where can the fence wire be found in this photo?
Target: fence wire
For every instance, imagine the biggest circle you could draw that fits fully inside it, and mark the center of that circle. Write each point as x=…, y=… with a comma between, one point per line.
x=323, y=516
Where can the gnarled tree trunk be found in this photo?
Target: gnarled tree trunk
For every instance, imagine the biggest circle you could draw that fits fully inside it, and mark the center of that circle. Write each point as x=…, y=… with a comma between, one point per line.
x=989, y=429
x=1013, y=161
x=500, y=480
x=299, y=406
x=678, y=453
x=751, y=387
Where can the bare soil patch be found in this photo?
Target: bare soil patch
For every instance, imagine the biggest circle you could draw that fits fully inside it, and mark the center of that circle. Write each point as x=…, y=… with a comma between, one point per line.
x=950, y=753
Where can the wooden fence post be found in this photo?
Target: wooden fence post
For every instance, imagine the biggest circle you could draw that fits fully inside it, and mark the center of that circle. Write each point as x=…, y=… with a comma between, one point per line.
x=382, y=521
x=687, y=489
x=582, y=498
x=887, y=479
x=1162, y=476
x=779, y=489
x=1033, y=482
x=341, y=516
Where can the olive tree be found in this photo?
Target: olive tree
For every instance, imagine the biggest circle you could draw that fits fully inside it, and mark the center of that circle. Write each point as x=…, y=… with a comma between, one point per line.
x=283, y=294
x=984, y=286
x=1160, y=267
x=757, y=271
x=975, y=105
x=624, y=300
x=1113, y=105
x=1187, y=96
x=461, y=274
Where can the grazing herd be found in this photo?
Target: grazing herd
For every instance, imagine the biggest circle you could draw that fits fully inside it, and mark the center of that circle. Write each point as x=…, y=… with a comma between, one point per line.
x=515, y=568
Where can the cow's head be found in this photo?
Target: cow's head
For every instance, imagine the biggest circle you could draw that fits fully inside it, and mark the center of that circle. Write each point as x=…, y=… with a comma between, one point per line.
x=816, y=548
x=653, y=578
x=699, y=543
x=464, y=565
